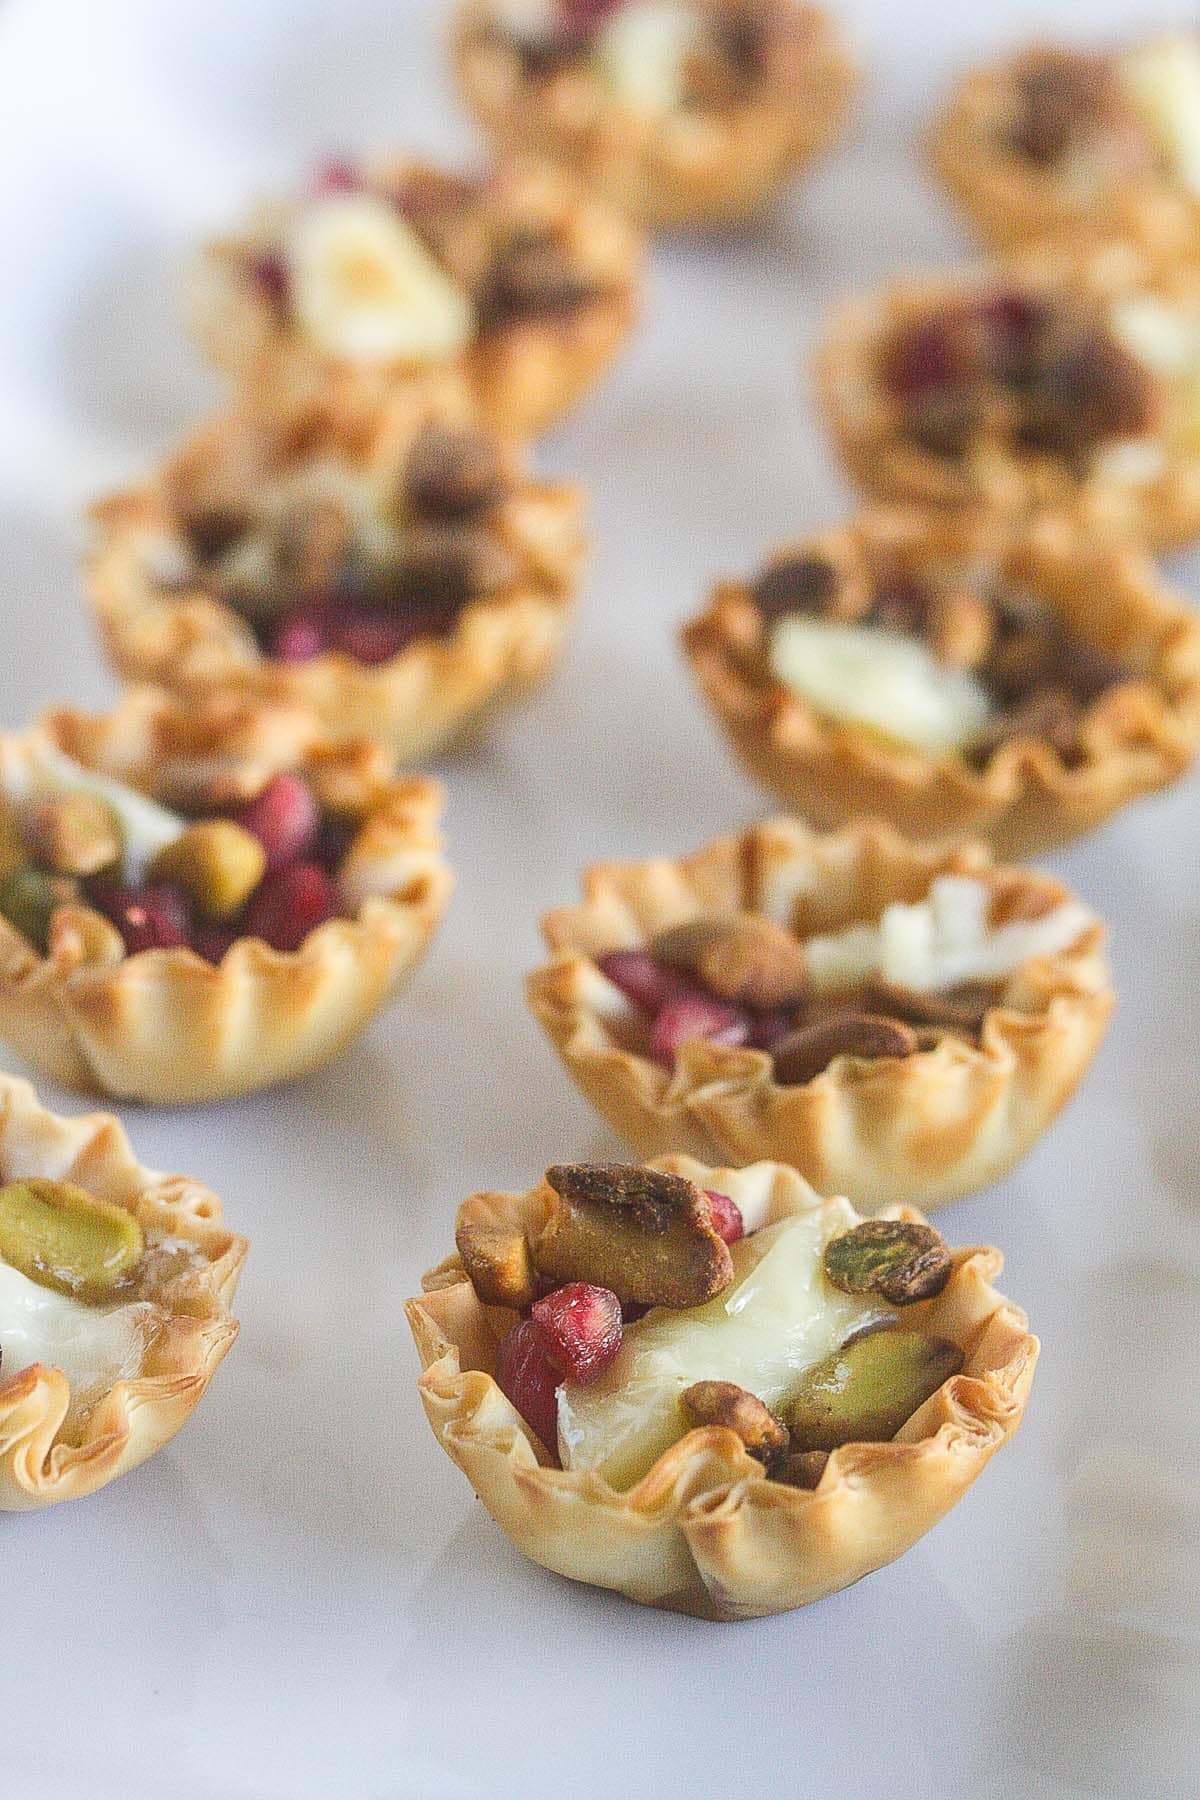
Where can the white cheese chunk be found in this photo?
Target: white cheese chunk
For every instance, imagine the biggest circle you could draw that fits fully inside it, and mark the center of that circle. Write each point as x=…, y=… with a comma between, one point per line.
x=94, y=1346
x=1162, y=79
x=642, y=51
x=779, y=1317
x=893, y=684
x=145, y=825
x=939, y=942
x=365, y=287
x=1166, y=338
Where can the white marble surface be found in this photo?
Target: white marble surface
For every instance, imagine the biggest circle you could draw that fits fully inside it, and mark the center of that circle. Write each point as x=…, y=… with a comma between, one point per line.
x=300, y=1598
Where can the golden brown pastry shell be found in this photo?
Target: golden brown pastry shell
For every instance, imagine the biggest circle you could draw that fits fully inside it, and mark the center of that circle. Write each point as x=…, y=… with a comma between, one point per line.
x=500, y=648
x=167, y=1027
x=705, y=1531
x=1009, y=200
x=38, y=1467
x=1012, y=483
x=1139, y=737
x=920, y=1129
x=520, y=378
x=690, y=170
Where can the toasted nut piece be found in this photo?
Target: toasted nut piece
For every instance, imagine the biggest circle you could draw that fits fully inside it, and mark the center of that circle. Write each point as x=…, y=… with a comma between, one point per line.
x=218, y=862
x=1048, y=715
x=646, y=1235
x=961, y=628
x=886, y=1256
x=803, y=1055
x=962, y=1008
x=725, y=1403
x=445, y=565
x=497, y=1259
x=745, y=958
x=453, y=474
x=864, y=1392
x=802, y=1469
x=28, y=898
x=72, y=834
x=796, y=583
x=66, y=1239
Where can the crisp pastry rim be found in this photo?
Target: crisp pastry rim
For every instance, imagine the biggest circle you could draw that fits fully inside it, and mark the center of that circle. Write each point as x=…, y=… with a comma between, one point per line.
x=676, y=177
x=520, y=378
x=167, y=1027
x=502, y=645
x=922, y=1129
x=138, y=1416
x=706, y=1531
x=1015, y=484
x=1025, y=798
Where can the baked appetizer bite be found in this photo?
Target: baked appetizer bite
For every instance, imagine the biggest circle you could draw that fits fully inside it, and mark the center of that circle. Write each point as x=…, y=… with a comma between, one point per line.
x=1070, y=378
x=711, y=1389
x=898, y=1022
x=681, y=112
x=116, y=1284
x=919, y=668
x=200, y=900
x=513, y=279
x=400, y=577
x=1058, y=138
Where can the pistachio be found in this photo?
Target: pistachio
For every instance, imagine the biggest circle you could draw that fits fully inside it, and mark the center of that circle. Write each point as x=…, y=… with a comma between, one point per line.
x=745, y=958
x=496, y=1258
x=864, y=1392
x=725, y=1403
x=647, y=1235
x=445, y=565
x=28, y=898
x=962, y=1008
x=72, y=834
x=66, y=1239
x=902, y=1262
x=453, y=474
x=808, y=1051
x=218, y=862
x=796, y=583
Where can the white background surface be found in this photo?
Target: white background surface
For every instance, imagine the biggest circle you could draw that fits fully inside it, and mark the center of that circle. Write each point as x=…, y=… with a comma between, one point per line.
x=300, y=1597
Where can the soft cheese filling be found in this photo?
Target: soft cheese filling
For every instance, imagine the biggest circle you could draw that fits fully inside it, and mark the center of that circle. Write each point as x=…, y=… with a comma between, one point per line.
x=43, y=771
x=1162, y=80
x=779, y=1317
x=94, y=1346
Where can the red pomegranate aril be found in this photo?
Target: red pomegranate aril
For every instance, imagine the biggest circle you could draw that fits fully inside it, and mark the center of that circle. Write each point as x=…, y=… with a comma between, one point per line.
x=582, y=1325
x=269, y=272
x=526, y=1374
x=337, y=175
x=285, y=819
x=212, y=941
x=158, y=917
x=695, y=1016
x=291, y=904
x=921, y=358
x=583, y=16
x=770, y=1028
x=372, y=638
x=640, y=978
x=726, y=1216
x=299, y=635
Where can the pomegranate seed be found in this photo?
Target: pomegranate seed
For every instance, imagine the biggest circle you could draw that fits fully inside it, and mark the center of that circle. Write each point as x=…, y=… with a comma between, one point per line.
x=921, y=358
x=285, y=819
x=337, y=175
x=1011, y=323
x=646, y=982
x=299, y=635
x=583, y=16
x=373, y=637
x=525, y=1373
x=269, y=272
x=212, y=941
x=151, y=918
x=334, y=840
x=726, y=1216
x=291, y=904
x=770, y=1028
x=696, y=1016
x=582, y=1324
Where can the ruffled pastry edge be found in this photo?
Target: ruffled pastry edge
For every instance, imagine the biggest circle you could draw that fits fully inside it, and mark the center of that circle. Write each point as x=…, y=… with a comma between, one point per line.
x=922, y=1129
x=705, y=1531
x=1142, y=735
x=135, y=1418
x=169, y=1028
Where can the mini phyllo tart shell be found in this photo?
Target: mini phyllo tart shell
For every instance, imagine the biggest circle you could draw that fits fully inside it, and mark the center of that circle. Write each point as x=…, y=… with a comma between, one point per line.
x=934, y=1117
x=1105, y=422
x=524, y=332
x=707, y=1531
x=166, y=617
x=169, y=1025
x=1138, y=735
x=52, y=1449
x=720, y=158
